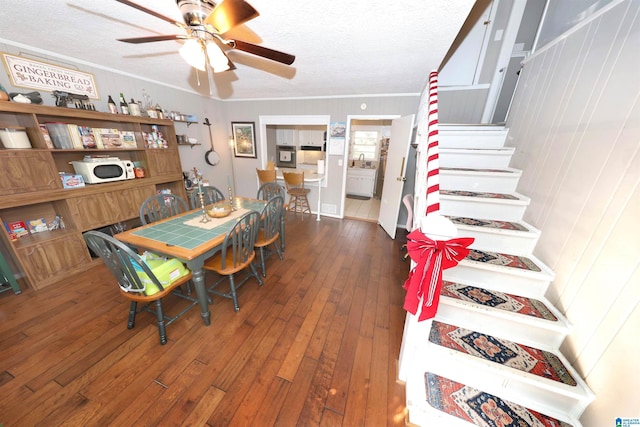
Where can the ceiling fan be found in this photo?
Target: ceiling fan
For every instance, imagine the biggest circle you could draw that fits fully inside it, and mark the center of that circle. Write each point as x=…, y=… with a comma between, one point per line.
x=205, y=23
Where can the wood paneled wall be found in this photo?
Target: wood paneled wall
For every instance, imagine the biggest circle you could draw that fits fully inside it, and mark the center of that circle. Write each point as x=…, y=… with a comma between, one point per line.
x=575, y=123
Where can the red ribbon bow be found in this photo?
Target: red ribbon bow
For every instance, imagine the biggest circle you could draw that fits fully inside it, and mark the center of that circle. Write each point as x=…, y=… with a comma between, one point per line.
x=431, y=257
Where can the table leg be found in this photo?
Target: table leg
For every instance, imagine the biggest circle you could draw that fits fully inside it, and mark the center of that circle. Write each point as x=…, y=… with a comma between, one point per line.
x=319, y=191
x=201, y=290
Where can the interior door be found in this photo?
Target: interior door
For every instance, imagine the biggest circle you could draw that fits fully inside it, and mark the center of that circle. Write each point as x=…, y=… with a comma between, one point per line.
x=394, y=176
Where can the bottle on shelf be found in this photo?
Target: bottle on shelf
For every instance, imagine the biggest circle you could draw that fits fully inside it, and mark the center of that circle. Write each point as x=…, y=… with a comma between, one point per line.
x=112, y=105
x=124, y=108
x=134, y=108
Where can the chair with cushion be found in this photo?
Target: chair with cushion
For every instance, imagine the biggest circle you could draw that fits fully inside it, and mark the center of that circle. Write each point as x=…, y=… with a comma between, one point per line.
x=236, y=254
x=269, y=231
x=161, y=206
x=298, y=201
x=266, y=175
x=209, y=194
x=137, y=281
x=269, y=190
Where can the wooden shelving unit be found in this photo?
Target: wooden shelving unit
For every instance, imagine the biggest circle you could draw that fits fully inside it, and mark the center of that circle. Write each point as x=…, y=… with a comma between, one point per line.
x=30, y=187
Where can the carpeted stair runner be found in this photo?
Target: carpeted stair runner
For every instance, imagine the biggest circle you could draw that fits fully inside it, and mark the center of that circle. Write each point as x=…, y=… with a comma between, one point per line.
x=497, y=350
x=478, y=194
x=506, y=260
x=480, y=408
x=499, y=300
x=488, y=223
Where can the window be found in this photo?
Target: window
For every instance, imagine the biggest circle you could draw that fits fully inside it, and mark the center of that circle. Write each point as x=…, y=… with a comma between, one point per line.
x=365, y=143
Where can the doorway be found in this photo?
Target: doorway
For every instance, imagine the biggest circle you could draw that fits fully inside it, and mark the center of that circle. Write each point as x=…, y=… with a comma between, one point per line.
x=367, y=143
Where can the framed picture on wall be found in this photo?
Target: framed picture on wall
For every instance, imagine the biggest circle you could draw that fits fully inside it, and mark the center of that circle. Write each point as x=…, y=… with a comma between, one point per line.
x=244, y=139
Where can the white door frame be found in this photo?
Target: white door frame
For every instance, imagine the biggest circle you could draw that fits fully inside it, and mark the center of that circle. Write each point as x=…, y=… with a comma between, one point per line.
x=347, y=143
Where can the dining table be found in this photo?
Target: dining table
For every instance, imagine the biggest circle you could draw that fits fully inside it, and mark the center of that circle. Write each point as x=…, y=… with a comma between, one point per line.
x=191, y=237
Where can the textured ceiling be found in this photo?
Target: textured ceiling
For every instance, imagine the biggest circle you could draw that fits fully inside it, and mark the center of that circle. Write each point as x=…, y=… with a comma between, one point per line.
x=342, y=48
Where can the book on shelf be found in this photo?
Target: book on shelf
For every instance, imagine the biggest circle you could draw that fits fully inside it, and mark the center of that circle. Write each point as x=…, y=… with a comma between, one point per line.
x=75, y=136
x=96, y=136
x=17, y=229
x=110, y=138
x=37, y=225
x=128, y=139
x=59, y=133
x=46, y=136
x=87, y=137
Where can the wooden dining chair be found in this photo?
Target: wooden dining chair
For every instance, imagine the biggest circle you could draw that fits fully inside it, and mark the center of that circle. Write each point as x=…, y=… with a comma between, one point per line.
x=266, y=175
x=209, y=194
x=266, y=192
x=161, y=206
x=270, y=166
x=236, y=254
x=269, y=231
x=298, y=201
x=138, y=283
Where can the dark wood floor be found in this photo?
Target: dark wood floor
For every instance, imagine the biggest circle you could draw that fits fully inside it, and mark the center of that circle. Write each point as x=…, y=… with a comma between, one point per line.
x=317, y=345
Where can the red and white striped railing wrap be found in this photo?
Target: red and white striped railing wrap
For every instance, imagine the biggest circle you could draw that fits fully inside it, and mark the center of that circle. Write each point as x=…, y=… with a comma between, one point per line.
x=433, y=162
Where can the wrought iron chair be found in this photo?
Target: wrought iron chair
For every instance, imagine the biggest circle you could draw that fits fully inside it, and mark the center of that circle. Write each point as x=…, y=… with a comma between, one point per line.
x=269, y=232
x=161, y=206
x=137, y=281
x=237, y=254
x=266, y=192
x=209, y=194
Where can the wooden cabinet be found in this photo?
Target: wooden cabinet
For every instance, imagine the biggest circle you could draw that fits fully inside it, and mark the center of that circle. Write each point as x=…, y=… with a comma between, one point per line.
x=361, y=182
x=30, y=187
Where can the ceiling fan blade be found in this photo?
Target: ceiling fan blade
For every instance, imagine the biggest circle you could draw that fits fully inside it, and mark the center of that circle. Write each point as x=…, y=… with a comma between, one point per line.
x=264, y=52
x=151, y=12
x=149, y=39
x=230, y=13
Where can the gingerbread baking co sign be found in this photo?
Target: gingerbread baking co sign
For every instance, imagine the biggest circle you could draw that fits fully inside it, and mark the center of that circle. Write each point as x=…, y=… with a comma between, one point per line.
x=32, y=74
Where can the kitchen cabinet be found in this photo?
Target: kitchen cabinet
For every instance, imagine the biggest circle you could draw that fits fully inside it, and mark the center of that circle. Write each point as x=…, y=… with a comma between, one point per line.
x=30, y=187
x=311, y=137
x=361, y=182
x=287, y=136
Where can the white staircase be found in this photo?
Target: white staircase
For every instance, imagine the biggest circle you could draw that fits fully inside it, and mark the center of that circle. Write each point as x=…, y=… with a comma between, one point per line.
x=496, y=296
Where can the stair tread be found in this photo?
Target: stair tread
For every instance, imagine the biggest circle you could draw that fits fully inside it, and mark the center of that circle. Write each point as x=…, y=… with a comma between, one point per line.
x=475, y=170
x=480, y=408
x=498, y=300
x=483, y=195
x=503, y=260
x=490, y=223
x=540, y=363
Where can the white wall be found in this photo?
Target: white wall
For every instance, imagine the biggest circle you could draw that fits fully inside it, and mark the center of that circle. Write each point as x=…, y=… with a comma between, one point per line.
x=575, y=123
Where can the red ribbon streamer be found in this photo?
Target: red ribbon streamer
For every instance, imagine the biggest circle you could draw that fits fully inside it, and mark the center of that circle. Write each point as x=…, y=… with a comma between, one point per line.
x=425, y=280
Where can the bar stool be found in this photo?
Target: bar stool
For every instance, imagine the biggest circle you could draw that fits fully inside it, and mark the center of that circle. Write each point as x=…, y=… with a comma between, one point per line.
x=266, y=175
x=298, y=201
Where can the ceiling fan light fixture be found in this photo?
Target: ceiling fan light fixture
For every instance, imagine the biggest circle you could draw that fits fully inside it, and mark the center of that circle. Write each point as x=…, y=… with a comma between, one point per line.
x=217, y=59
x=193, y=53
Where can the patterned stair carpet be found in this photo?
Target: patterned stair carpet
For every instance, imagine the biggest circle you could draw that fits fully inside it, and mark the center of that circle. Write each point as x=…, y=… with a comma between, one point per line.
x=488, y=223
x=476, y=194
x=507, y=260
x=517, y=356
x=480, y=408
x=476, y=170
x=499, y=300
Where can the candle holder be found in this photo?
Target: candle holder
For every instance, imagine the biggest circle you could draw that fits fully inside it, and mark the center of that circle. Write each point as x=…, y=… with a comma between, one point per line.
x=205, y=217
x=231, y=198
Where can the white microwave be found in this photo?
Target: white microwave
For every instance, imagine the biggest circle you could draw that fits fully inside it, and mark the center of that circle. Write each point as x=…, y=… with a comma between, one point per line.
x=96, y=171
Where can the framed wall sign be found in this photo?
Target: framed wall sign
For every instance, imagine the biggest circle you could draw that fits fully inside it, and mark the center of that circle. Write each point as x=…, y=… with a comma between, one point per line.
x=29, y=73
x=244, y=139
